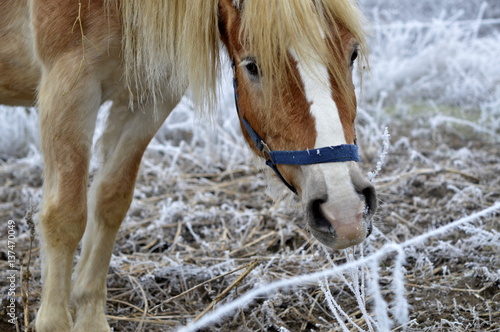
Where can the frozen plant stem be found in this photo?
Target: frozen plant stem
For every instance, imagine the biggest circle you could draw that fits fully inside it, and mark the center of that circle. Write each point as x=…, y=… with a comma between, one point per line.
x=383, y=154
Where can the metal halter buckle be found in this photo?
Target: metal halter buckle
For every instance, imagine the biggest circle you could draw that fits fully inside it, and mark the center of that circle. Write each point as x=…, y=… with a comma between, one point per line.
x=266, y=150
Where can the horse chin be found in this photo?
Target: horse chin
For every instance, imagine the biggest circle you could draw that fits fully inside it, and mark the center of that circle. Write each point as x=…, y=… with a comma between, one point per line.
x=331, y=241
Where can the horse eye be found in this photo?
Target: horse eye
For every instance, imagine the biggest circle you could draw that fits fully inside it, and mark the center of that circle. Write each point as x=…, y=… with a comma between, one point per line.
x=252, y=68
x=354, y=56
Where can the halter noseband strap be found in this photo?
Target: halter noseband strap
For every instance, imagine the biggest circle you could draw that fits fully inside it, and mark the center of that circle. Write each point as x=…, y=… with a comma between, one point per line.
x=328, y=154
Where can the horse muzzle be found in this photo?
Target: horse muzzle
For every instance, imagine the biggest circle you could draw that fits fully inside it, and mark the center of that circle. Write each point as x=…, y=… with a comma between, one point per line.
x=339, y=204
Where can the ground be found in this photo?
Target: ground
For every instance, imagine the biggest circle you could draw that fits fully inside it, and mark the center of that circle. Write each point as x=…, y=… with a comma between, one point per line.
x=196, y=230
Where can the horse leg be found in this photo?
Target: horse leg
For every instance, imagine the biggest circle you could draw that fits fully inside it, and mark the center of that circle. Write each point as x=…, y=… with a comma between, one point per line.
x=123, y=143
x=68, y=113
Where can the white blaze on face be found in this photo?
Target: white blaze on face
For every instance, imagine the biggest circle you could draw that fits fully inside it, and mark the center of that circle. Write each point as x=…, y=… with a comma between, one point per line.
x=318, y=92
x=329, y=131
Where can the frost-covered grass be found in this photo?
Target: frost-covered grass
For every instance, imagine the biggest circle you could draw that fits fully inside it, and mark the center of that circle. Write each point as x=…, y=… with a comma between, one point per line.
x=200, y=217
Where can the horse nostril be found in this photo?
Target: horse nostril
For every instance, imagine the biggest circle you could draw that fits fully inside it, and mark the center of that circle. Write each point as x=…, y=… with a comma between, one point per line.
x=370, y=197
x=318, y=219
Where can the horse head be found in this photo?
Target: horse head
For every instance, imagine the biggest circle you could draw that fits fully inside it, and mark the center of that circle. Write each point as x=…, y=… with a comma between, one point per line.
x=293, y=63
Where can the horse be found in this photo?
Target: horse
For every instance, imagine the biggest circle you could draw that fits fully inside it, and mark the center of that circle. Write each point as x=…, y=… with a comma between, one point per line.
x=292, y=63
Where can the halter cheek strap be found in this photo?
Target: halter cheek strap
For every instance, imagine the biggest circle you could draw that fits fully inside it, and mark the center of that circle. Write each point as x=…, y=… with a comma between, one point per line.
x=328, y=154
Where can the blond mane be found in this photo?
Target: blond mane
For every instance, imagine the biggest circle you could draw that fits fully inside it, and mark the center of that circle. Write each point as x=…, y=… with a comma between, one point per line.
x=175, y=43
x=170, y=44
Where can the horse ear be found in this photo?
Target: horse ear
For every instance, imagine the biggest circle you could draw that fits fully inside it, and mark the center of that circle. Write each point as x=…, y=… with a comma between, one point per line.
x=228, y=16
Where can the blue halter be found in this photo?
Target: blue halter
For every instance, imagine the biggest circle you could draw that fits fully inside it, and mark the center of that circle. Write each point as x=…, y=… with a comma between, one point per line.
x=327, y=154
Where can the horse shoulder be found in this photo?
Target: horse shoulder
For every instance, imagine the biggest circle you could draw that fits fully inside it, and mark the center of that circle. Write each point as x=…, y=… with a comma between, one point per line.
x=81, y=33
